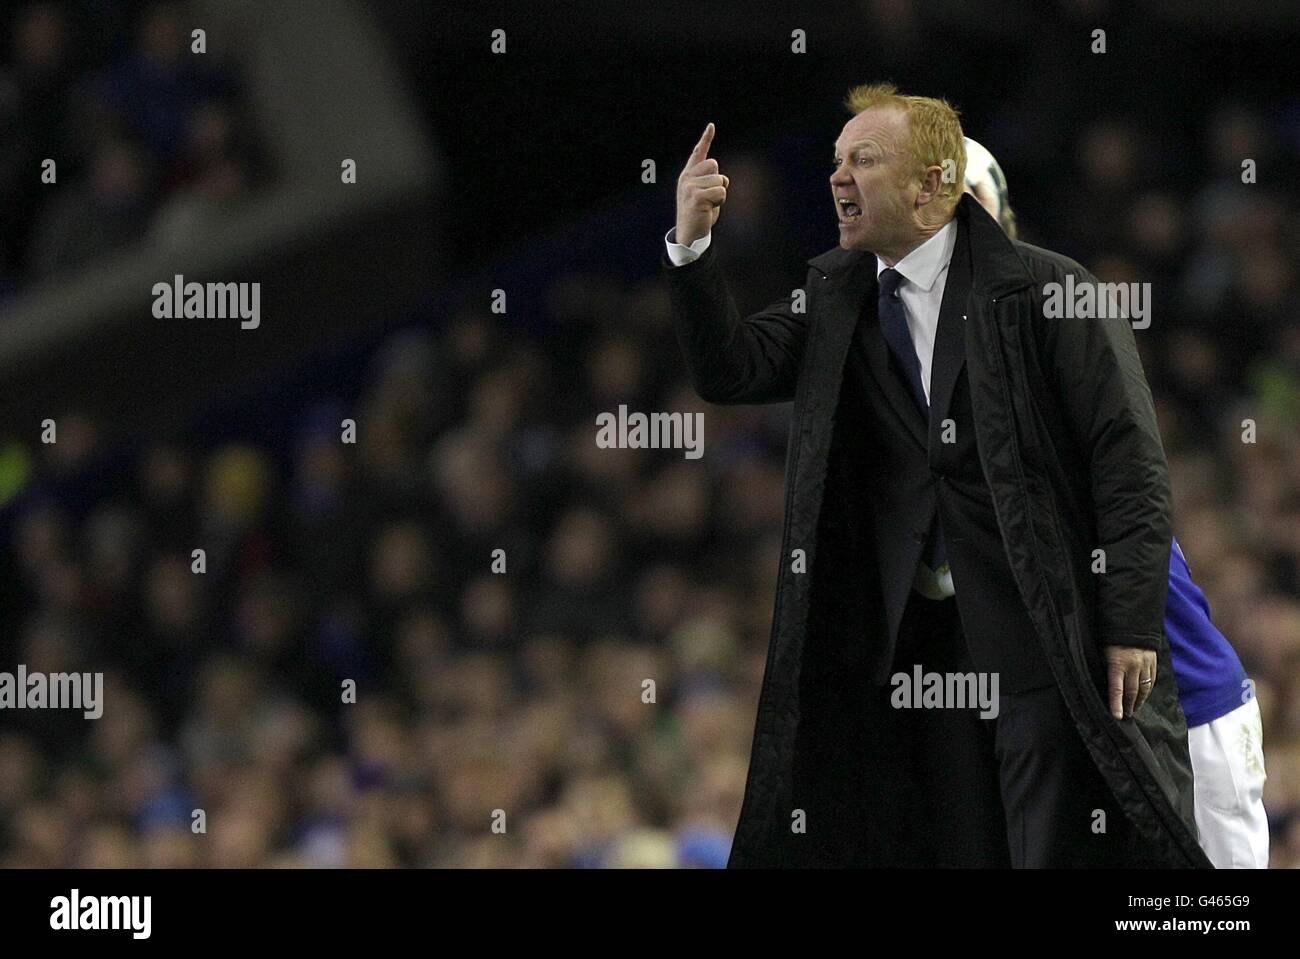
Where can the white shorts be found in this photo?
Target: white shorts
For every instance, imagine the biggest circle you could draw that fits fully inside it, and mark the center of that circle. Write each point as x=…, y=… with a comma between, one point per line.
x=1228, y=765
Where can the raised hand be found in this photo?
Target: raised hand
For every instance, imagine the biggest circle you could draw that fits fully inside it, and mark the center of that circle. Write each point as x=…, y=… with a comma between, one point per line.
x=701, y=191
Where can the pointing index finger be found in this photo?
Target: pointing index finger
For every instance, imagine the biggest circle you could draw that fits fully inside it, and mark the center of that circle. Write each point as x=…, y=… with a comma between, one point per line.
x=701, y=151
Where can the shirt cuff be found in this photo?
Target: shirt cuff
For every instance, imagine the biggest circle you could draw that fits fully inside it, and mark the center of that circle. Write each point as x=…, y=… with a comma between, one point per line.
x=679, y=253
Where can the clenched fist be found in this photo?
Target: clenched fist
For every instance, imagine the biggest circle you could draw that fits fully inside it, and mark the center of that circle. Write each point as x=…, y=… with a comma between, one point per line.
x=701, y=191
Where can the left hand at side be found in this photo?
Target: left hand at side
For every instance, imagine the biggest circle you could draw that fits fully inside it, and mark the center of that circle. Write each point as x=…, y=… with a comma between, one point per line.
x=1130, y=677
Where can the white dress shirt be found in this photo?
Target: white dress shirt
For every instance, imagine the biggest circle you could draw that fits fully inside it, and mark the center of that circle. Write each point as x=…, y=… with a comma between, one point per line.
x=924, y=275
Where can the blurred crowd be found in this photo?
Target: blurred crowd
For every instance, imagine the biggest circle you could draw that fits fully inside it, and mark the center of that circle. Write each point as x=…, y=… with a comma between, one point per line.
x=590, y=702
x=147, y=139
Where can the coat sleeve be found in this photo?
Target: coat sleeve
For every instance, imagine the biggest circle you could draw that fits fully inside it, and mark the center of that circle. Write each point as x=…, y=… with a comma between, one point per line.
x=733, y=360
x=1107, y=401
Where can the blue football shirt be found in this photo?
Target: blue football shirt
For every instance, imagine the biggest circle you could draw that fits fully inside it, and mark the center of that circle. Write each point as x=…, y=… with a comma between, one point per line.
x=1210, y=677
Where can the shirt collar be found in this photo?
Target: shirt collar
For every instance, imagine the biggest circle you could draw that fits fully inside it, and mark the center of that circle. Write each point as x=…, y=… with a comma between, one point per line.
x=924, y=264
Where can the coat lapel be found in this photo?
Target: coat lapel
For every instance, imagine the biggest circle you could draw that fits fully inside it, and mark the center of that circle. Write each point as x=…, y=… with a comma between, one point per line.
x=877, y=353
x=949, y=340
x=849, y=277
x=851, y=307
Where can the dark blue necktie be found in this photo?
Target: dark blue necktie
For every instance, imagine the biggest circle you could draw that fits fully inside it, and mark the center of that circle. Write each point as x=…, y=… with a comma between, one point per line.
x=893, y=325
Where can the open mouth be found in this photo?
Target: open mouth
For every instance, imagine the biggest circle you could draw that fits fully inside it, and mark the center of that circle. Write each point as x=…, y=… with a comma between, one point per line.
x=849, y=210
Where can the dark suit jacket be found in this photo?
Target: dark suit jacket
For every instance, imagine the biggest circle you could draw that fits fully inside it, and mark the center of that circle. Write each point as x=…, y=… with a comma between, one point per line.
x=910, y=466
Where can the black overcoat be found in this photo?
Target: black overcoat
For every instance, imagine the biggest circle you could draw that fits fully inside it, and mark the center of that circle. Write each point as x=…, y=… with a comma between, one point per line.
x=1068, y=442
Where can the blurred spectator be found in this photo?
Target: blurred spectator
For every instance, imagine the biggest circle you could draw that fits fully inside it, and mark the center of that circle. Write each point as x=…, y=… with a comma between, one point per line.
x=146, y=142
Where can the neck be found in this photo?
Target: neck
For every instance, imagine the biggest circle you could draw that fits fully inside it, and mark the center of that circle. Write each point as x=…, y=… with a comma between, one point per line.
x=923, y=232
x=896, y=253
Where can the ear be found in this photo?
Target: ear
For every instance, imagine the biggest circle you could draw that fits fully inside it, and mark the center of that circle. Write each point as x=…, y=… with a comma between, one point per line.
x=932, y=185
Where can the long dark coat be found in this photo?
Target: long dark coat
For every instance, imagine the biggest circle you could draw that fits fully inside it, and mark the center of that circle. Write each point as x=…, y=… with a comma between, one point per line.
x=1069, y=445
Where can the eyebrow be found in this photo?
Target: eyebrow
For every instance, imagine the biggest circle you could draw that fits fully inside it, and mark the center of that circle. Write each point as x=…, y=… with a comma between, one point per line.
x=856, y=145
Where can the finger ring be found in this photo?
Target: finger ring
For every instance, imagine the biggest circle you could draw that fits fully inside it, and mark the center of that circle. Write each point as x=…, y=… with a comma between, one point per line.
x=1146, y=682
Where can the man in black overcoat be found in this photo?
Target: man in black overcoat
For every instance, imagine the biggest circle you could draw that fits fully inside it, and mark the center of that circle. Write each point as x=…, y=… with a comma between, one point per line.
x=975, y=487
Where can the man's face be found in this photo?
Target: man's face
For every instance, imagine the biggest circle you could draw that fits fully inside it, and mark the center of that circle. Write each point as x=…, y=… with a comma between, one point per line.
x=872, y=170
